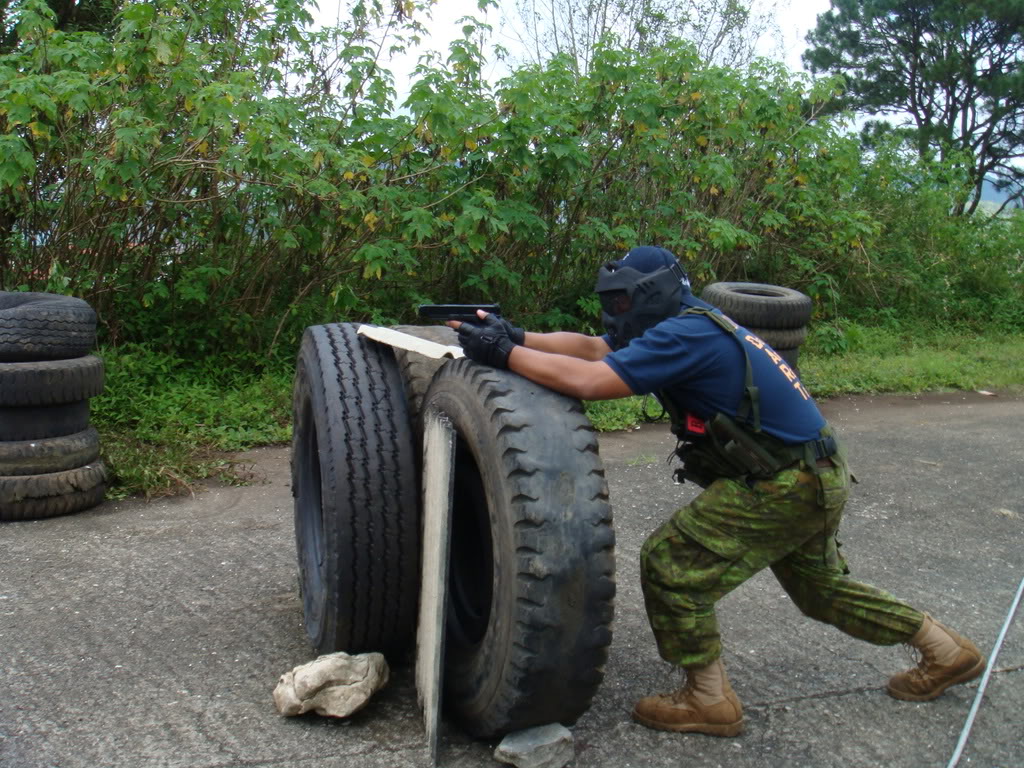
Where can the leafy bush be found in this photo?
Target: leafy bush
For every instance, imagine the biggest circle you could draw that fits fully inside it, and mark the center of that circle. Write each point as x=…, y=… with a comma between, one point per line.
x=608, y=415
x=214, y=181
x=166, y=423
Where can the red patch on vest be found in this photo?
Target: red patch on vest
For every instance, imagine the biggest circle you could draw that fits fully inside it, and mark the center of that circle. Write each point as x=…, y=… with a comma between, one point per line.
x=694, y=424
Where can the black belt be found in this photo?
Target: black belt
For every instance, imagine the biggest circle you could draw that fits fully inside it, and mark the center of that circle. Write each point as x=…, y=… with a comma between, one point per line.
x=825, y=447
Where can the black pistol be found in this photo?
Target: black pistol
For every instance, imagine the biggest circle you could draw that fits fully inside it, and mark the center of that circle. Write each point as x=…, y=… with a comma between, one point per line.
x=461, y=312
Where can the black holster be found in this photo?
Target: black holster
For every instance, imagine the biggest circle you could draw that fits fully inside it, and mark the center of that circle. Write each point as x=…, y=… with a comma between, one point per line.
x=729, y=450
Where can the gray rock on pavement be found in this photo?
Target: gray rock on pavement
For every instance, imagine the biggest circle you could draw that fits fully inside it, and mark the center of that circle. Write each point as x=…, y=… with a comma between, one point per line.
x=335, y=685
x=546, y=746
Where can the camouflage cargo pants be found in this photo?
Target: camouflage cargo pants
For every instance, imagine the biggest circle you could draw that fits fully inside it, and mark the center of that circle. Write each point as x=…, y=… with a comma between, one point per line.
x=734, y=530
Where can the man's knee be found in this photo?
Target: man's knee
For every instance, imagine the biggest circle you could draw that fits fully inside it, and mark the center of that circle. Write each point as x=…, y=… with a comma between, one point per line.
x=655, y=552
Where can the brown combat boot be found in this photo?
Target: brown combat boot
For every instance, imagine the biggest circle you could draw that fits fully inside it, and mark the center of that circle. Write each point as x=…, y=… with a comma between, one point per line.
x=706, y=704
x=946, y=659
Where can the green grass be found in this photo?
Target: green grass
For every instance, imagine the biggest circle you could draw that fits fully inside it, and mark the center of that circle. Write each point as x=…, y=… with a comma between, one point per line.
x=879, y=360
x=167, y=424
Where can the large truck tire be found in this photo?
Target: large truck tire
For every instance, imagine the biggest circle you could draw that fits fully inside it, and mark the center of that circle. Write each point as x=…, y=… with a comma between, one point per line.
x=45, y=326
x=29, y=497
x=356, y=494
x=418, y=370
x=531, y=569
x=53, y=454
x=51, y=381
x=759, y=305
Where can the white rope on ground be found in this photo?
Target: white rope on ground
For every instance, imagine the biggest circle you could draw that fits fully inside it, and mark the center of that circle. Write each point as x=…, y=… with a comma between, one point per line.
x=984, y=680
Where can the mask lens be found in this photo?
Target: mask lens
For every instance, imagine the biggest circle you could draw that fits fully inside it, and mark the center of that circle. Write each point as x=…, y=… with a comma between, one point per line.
x=615, y=302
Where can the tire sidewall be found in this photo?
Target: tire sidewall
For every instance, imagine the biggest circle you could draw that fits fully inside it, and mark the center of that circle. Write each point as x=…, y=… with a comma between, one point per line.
x=471, y=679
x=309, y=412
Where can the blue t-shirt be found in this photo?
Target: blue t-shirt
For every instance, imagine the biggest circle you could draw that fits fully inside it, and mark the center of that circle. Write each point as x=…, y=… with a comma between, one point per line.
x=701, y=369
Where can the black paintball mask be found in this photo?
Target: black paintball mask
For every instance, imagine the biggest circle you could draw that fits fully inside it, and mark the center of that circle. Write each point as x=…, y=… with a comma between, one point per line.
x=635, y=300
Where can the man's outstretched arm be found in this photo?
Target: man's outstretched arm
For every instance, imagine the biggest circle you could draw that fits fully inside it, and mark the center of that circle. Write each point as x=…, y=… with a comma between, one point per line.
x=585, y=379
x=490, y=342
x=567, y=343
x=559, y=342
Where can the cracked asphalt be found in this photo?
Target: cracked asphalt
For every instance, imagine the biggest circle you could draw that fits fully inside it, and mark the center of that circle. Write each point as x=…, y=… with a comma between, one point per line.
x=152, y=634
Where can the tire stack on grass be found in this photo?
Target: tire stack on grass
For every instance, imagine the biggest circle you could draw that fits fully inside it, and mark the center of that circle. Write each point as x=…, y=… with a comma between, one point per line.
x=49, y=453
x=776, y=314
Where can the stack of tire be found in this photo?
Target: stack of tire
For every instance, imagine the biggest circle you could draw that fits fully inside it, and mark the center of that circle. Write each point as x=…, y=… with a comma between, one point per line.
x=531, y=565
x=49, y=453
x=778, y=315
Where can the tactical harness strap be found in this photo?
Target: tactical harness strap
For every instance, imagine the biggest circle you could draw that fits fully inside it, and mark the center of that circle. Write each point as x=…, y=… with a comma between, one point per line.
x=721, y=446
x=750, y=405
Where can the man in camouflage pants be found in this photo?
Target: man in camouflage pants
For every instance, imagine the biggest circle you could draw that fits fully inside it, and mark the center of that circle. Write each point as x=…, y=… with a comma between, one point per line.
x=732, y=531
x=774, y=474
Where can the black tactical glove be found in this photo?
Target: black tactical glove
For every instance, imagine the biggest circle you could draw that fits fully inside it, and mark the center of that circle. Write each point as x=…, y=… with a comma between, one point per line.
x=518, y=335
x=488, y=341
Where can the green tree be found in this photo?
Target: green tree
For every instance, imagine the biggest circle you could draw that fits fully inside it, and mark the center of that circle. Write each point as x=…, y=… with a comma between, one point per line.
x=217, y=177
x=68, y=15
x=198, y=160
x=950, y=73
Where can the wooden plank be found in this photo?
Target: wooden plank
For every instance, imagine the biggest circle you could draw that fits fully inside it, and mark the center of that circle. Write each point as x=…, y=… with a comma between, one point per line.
x=405, y=341
x=438, y=464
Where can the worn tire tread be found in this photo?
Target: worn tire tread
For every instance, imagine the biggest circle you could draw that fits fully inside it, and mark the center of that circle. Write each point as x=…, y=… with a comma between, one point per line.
x=36, y=422
x=782, y=338
x=29, y=497
x=760, y=305
x=53, y=454
x=44, y=326
x=49, y=382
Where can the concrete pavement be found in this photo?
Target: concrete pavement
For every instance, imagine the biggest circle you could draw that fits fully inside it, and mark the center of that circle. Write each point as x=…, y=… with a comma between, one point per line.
x=152, y=634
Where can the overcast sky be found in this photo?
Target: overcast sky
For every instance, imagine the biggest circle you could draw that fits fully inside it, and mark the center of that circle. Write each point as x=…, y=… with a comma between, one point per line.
x=794, y=18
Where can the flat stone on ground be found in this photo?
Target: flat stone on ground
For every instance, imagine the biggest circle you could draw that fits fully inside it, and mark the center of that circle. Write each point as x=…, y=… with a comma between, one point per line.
x=546, y=746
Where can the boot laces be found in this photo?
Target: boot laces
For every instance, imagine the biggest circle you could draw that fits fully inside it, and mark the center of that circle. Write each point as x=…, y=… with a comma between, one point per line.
x=920, y=660
x=680, y=695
